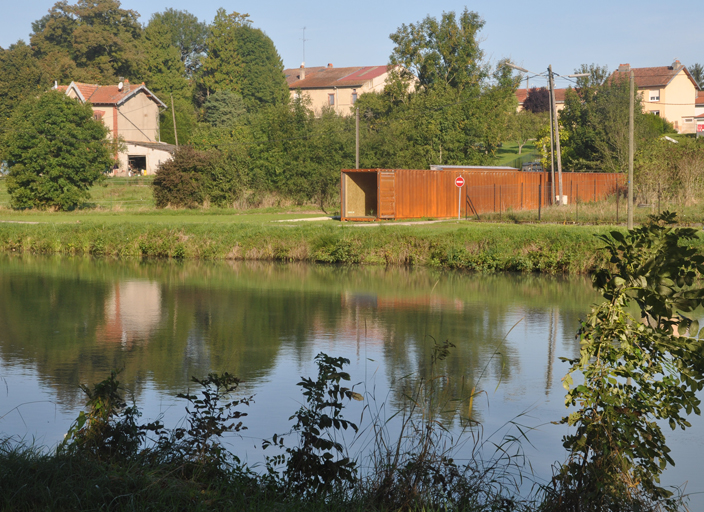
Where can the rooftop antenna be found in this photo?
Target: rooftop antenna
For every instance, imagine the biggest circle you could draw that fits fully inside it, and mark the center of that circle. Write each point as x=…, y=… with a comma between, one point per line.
x=304, y=45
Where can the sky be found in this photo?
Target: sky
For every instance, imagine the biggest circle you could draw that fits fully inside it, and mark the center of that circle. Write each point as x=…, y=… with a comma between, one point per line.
x=532, y=35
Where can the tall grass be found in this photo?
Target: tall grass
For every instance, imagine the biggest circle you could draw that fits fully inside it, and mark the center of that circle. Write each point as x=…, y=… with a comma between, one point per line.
x=411, y=470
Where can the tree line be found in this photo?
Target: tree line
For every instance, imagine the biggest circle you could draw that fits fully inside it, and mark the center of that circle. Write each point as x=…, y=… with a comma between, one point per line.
x=443, y=103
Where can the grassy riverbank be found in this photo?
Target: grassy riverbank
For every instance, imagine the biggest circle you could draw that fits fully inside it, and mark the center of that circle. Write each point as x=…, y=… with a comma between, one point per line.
x=122, y=222
x=465, y=245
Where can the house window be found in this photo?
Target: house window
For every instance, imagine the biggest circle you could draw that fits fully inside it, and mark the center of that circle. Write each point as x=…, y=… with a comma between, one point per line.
x=331, y=99
x=688, y=119
x=354, y=97
x=655, y=112
x=655, y=95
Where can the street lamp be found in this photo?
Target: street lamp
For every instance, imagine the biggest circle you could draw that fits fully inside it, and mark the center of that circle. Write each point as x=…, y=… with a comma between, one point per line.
x=553, y=121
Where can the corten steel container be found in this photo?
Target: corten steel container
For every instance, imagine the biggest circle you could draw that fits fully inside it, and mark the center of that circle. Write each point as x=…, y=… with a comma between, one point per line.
x=388, y=194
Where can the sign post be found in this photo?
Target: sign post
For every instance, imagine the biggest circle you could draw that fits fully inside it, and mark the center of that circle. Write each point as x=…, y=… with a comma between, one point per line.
x=459, y=181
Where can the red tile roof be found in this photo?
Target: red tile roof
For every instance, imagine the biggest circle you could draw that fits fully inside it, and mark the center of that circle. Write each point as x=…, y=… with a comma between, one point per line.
x=699, y=100
x=653, y=77
x=110, y=94
x=325, y=77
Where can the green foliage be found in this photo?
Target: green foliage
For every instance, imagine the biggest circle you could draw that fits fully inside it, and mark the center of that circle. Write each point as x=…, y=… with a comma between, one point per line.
x=224, y=109
x=442, y=53
x=262, y=80
x=597, y=75
x=298, y=154
x=636, y=370
x=596, y=117
x=210, y=416
x=525, y=125
x=187, y=36
x=222, y=68
x=109, y=430
x=20, y=77
x=55, y=152
x=667, y=171
x=456, y=112
x=697, y=72
x=318, y=464
x=193, y=177
x=92, y=41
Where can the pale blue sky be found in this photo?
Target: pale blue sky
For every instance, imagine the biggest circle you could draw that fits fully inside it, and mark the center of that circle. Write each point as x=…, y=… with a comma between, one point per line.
x=533, y=34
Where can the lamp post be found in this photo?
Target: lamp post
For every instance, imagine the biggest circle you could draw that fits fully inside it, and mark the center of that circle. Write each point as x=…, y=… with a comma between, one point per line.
x=553, y=120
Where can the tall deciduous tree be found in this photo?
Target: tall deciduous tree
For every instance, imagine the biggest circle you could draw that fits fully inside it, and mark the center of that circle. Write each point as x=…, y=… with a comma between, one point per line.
x=55, y=151
x=165, y=75
x=457, y=113
x=525, y=125
x=263, y=81
x=596, y=118
x=93, y=40
x=187, y=36
x=444, y=51
x=223, y=66
x=20, y=77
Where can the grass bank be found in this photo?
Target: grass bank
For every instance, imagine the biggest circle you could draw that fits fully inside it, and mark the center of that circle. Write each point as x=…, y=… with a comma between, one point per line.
x=122, y=222
x=465, y=245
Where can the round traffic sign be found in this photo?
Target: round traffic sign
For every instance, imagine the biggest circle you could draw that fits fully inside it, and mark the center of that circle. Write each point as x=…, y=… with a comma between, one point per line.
x=459, y=181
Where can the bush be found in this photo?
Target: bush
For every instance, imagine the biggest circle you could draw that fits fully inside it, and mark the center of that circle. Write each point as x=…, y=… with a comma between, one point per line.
x=194, y=177
x=55, y=152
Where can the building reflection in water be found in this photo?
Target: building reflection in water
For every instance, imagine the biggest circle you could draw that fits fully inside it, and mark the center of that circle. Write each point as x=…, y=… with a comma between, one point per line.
x=132, y=312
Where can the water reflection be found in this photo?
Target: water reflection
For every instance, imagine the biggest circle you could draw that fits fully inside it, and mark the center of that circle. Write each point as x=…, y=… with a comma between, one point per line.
x=73, y=320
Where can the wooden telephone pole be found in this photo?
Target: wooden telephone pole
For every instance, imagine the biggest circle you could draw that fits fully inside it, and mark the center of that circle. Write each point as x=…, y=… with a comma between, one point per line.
x=630, y=152
x=557, y=135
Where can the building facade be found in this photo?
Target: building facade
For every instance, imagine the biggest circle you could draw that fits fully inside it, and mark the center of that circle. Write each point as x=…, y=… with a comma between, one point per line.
x=667, y=91
x=131, y=114
x=336, y=88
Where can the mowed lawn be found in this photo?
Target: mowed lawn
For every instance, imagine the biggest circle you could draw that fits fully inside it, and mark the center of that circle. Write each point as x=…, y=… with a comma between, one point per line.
x=130, y=200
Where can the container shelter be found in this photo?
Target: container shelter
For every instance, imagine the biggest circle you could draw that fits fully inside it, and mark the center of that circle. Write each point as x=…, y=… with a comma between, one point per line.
x=390, y=194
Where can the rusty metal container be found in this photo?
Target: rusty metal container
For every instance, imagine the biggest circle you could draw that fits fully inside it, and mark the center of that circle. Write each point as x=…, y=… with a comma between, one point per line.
x=379, y=194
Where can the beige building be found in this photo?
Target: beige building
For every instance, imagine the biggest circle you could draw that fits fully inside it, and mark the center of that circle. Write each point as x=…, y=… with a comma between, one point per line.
x=337, y=88
x=131, y=113
x=667, y=91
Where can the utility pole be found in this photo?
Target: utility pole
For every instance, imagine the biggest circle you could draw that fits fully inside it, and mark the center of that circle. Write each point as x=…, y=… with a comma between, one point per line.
x=552, y=155
x=557, y=135
x=630, y=152
x=173, y=116
x=356, y=148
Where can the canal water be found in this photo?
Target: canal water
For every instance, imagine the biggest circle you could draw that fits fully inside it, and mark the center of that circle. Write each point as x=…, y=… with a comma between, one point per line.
x=66, y=322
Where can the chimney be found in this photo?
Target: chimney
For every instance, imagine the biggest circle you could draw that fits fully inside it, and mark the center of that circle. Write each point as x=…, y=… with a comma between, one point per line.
x=329, y=65
x=56, y=85
x=302, y=74
x=677, y=64
x=127, y=86
x=624, y=68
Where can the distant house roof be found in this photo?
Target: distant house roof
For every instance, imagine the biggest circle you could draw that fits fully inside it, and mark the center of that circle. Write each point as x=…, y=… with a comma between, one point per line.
x=699, y=100
x=522, y=94
x=660, y=76
x=109, y=94
x=325, y=77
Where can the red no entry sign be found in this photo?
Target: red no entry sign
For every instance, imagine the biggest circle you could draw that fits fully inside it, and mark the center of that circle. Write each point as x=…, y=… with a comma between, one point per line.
x=459, y=181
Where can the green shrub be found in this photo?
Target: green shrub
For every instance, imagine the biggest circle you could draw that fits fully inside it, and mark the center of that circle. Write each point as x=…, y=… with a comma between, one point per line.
x=193, y=177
